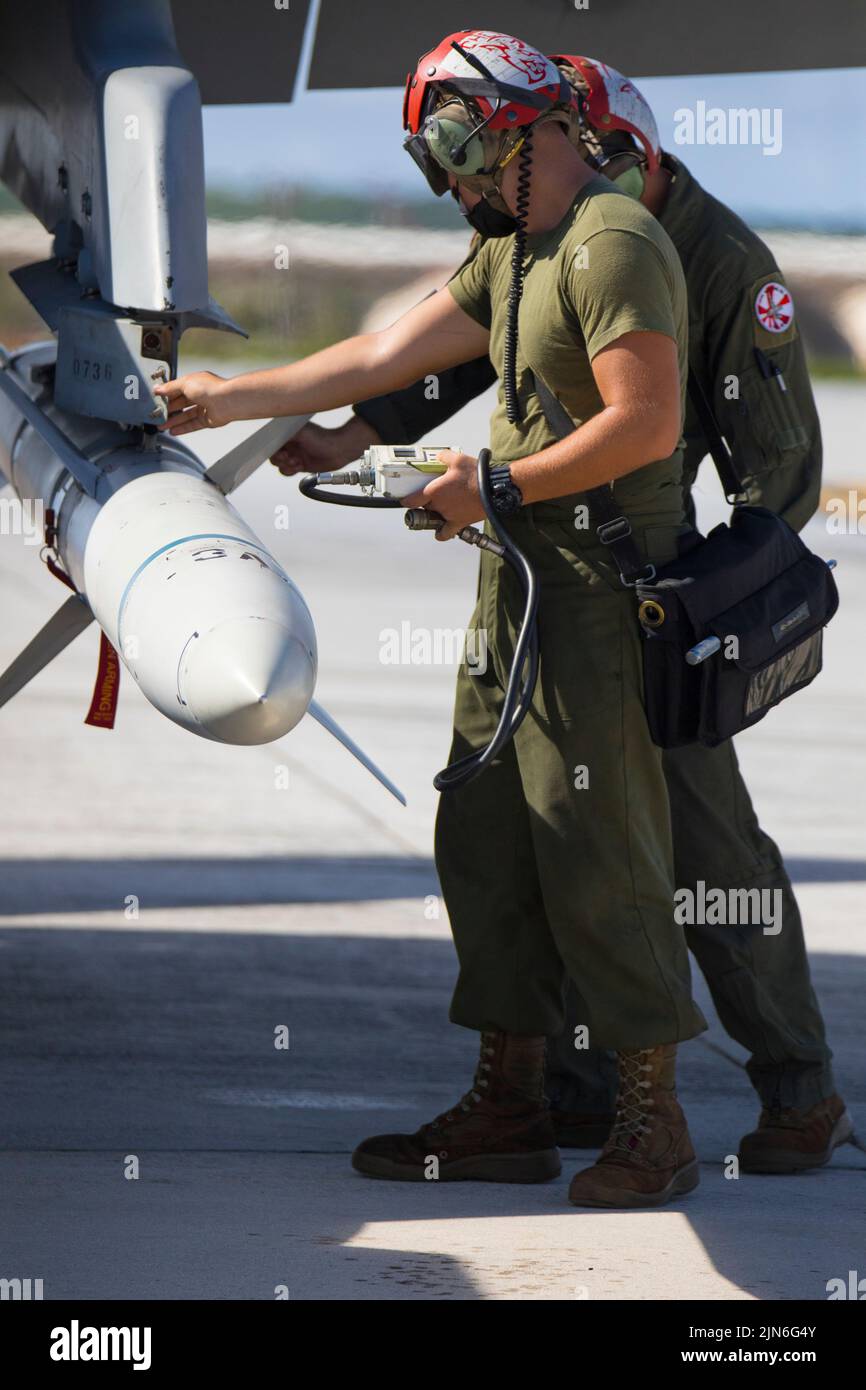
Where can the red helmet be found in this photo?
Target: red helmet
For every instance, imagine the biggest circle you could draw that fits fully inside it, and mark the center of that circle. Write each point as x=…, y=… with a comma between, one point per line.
x=612, y=102
x=510, y=81
x=490, y=84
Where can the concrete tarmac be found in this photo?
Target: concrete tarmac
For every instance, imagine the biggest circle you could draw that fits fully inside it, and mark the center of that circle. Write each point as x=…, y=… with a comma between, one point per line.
x=171, y=909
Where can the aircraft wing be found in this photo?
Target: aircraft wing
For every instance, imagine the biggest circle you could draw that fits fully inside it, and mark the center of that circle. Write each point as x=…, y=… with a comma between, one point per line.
x=253, y=53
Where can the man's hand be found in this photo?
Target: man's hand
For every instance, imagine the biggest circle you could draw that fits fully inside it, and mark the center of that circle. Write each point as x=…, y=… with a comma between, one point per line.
x=453, y=494
x=196, y=402
x=315, y=449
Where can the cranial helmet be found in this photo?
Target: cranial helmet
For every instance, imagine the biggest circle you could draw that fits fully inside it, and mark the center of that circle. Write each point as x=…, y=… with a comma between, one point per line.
x=614, y=127
x=471, y=102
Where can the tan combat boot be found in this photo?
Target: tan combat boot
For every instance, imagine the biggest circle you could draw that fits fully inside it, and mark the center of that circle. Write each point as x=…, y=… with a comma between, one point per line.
x=648, y=1158
x=499, y=1132
x=787, y=1141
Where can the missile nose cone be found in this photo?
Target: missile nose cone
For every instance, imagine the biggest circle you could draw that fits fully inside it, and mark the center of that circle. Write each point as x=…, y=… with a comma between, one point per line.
x=248, y=680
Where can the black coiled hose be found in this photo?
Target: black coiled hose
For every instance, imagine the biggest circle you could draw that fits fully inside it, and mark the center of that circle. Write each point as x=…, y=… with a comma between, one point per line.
x=519, y=691
x=518, y=694
x=515, y=292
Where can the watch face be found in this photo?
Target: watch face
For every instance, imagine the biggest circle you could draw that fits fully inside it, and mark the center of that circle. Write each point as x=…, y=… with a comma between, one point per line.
x=506, y=500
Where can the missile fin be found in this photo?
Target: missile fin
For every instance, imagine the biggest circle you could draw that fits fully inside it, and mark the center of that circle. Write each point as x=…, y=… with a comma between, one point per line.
x=239, y=463
x=70, y=619
x=328, y=722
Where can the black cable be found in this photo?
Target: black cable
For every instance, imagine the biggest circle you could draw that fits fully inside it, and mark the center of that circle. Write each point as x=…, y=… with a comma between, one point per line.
x=309, y=487
x=519, y=691
x=515, y=292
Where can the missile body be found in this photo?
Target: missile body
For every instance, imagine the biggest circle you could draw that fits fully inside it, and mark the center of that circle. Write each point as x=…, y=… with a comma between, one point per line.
x=208, y=624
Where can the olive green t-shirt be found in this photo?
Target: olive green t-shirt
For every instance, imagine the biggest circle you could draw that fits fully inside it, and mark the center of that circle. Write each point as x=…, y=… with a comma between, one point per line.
x=608, y=268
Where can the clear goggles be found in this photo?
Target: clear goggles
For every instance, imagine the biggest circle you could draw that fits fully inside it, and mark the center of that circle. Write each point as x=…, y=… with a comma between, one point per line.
x=419, y=149
x=451, y=141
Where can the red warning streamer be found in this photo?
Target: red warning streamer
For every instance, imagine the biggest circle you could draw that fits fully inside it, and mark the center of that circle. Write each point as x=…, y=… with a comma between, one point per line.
x=103, y=703
x=103, y=706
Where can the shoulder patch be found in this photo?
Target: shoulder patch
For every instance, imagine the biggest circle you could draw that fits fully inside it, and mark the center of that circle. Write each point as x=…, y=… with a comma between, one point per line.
x=774, y=307
x=773, y=313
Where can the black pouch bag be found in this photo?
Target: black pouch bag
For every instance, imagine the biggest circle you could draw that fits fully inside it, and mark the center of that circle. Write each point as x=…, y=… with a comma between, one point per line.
x=750, y=597
x=758, y=599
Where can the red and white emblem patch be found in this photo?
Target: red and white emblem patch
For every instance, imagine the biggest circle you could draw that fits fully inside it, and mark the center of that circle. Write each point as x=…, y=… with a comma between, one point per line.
x=774, y=307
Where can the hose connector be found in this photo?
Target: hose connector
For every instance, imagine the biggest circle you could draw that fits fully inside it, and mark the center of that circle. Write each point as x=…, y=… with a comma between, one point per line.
x=420, y=519
x=353, y=477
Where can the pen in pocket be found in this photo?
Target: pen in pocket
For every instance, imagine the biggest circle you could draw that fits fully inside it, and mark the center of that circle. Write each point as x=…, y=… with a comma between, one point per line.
x=769, y=369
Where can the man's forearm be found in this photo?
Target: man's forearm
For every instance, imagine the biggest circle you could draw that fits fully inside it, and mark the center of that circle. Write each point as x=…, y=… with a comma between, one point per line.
x=432, y=336
x=338, y=375
x=609, y=446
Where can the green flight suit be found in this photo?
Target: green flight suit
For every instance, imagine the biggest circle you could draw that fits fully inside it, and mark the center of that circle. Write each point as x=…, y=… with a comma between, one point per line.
x=760, y=984
x=558, y=858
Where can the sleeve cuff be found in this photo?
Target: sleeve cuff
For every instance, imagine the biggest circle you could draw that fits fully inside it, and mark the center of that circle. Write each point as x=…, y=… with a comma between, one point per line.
x=469, y=305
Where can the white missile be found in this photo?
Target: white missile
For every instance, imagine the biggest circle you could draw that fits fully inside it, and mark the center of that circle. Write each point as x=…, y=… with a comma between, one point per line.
x=209, y=625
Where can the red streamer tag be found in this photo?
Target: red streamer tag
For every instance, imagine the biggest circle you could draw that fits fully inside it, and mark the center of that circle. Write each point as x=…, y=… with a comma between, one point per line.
x=103, y=706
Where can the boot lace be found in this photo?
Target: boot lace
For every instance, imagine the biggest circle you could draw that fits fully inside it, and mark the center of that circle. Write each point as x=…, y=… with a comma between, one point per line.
x=479, y=1083
x=633, y=1104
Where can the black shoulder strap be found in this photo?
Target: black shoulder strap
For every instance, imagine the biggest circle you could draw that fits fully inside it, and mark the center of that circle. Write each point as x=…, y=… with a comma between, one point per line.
x=722, y=456
x=612, y=528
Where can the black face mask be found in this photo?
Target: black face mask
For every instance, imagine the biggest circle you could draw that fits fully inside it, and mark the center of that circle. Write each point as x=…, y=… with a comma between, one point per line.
x=486, y=219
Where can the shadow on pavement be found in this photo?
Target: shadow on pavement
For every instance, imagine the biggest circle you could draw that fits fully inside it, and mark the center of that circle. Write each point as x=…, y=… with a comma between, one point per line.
x=162, y=1045
x=39, y=886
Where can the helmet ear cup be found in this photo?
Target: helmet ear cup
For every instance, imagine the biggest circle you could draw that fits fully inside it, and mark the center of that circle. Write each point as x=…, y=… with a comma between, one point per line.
x=454, y=141
x=631, y=181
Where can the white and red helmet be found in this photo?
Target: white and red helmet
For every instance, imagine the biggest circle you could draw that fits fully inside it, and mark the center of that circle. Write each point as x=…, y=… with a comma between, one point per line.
x=611, y=102
x=510, y=81
x=483, y=85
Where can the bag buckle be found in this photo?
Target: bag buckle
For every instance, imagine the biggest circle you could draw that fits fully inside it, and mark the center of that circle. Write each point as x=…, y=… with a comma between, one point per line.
x=609, y=532
x=643, y=577
x=612, y=533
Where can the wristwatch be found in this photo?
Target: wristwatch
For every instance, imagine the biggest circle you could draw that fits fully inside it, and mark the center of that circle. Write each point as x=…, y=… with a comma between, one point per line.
x=504, y=493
